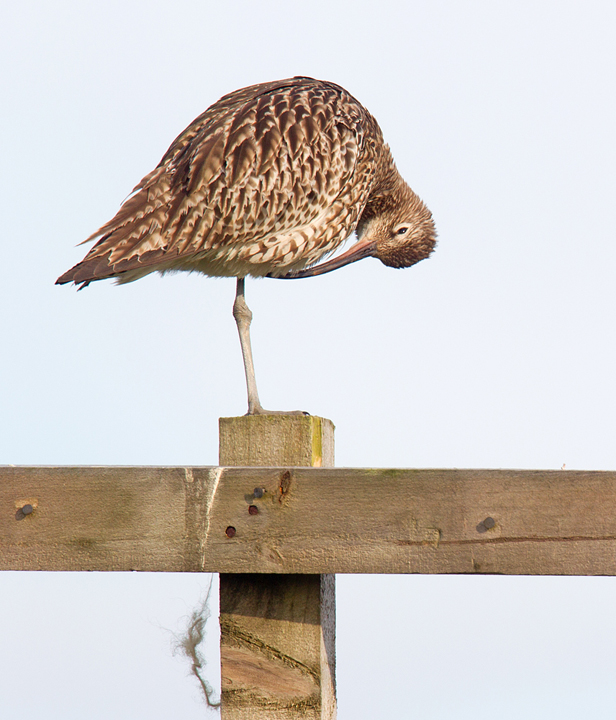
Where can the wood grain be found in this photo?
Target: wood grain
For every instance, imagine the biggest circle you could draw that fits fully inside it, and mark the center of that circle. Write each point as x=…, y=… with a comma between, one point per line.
x=277, y=632
x=277, y=646
x=309, y=520
x=276, y=440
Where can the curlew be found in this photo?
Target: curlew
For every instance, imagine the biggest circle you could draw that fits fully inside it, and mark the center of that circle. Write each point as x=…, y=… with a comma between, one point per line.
x=266, y=182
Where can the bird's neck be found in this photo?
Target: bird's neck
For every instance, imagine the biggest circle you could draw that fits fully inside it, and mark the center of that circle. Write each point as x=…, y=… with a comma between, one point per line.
x=388, y=192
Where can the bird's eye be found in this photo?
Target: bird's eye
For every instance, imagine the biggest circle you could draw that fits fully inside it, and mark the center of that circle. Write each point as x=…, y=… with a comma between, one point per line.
x=403, y=229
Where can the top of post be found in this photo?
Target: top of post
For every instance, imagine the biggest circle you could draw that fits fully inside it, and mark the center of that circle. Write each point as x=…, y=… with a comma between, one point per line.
x=276, y=441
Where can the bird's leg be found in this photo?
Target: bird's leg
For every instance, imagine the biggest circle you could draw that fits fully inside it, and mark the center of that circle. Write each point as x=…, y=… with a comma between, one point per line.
x=243, y=318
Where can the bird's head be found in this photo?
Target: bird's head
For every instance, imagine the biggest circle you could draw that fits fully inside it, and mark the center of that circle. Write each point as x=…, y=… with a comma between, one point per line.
x=398, y=231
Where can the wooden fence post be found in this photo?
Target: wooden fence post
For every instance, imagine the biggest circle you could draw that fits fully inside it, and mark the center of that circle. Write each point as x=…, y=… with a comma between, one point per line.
x=277, y=632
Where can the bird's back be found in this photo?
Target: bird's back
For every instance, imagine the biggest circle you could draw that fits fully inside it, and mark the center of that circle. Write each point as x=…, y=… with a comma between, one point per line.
x=269, y=179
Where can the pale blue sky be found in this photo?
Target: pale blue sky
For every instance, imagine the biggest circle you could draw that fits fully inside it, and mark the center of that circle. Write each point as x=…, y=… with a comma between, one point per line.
x=499, y=351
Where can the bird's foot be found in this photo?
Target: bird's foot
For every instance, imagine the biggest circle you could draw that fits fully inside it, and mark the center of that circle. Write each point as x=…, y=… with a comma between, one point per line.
x=258, y=410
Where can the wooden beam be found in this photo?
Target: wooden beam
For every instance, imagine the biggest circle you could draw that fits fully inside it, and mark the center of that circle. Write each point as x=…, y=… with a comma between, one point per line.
x=277, y=631
x=309, y=520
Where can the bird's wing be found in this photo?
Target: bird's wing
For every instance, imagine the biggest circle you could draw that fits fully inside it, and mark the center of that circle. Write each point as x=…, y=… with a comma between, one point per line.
x=263, y=162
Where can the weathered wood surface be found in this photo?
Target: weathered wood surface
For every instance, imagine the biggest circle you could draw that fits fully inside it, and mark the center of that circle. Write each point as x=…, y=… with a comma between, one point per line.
x=277, y=646
x=309, y=520
x=276, y=441
x=277, y=632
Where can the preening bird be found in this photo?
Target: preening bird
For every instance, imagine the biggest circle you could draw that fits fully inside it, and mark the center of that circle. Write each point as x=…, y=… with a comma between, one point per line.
x=266, y=182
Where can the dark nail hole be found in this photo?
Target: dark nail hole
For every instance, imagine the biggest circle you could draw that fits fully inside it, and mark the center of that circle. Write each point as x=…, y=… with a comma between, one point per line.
x=19, y=515
x=230, y=532
x=481, y=528
x=253, y=510
x=258, y=492
x=489, y=523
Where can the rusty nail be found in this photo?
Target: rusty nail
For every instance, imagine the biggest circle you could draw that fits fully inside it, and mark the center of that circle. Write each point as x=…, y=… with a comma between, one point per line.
x=285, y=484
x=23, y=511
x=258, y=492
x=253, y=510
x=230, y=531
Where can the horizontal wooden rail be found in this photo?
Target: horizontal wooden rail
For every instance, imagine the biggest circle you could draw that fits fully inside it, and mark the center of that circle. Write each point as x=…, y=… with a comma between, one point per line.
x=305, y=520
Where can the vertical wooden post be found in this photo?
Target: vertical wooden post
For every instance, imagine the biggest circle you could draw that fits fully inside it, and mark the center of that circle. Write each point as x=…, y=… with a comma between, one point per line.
x=277, y=632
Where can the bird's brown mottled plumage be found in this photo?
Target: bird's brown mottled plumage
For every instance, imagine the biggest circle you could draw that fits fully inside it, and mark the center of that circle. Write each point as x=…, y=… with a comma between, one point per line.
x=266, y=181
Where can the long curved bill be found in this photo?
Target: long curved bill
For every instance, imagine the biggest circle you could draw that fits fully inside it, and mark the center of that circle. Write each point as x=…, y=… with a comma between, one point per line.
x=359, y=251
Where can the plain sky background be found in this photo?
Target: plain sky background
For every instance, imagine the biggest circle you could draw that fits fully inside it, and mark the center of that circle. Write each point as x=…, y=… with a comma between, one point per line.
x=499, y=351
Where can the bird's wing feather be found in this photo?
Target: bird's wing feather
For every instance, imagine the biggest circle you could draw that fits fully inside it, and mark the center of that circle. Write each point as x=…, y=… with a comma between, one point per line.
x=261, y=164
